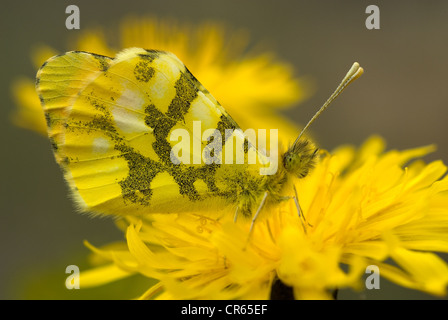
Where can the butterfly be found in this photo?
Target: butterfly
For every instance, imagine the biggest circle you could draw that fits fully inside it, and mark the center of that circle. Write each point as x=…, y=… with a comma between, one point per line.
x=111, y=123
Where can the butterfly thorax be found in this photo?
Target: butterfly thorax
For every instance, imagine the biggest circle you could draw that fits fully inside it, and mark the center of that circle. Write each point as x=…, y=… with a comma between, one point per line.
x=296, y=162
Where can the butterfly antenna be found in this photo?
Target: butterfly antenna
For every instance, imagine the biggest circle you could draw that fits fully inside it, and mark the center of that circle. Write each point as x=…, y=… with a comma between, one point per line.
x=354, y=73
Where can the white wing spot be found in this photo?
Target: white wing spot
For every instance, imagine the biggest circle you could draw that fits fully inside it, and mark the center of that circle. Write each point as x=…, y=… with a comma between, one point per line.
x=128, y=112
x=100, y=145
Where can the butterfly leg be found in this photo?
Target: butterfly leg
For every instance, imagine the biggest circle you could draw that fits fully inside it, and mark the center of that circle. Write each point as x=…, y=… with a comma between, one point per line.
x=258, y=212
x=300, y=211
x=236, y=215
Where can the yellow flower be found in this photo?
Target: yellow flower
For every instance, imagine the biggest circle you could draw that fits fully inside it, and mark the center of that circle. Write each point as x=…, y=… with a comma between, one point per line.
x=363, y=207
x=244, y=83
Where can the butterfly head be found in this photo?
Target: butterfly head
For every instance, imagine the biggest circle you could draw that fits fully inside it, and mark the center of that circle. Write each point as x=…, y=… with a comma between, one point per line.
x=301, y=158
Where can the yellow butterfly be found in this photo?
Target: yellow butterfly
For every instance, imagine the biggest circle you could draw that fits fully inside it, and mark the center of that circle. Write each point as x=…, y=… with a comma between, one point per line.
x=111, y=122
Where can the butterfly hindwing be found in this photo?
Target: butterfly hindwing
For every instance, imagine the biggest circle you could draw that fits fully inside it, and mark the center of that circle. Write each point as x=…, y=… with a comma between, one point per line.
x=111, y=121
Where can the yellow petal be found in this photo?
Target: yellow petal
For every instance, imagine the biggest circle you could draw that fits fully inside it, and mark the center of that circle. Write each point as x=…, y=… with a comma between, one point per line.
x=102, y=275
x=29, y=114
x=424, y=271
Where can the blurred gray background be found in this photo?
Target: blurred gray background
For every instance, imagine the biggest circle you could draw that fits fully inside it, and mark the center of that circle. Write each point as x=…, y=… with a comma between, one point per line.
x=403, y=96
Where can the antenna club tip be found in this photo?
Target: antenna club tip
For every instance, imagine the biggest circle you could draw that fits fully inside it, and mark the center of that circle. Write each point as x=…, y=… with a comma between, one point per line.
x=355, y=71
